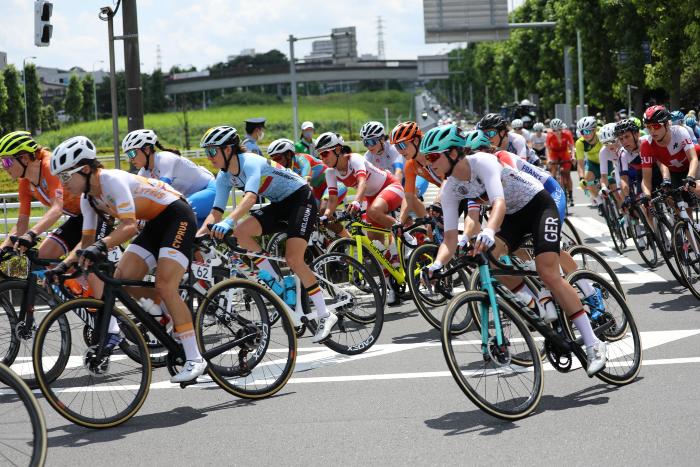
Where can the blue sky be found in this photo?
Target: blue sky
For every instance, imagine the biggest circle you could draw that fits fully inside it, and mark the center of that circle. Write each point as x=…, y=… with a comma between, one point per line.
x=204, y=32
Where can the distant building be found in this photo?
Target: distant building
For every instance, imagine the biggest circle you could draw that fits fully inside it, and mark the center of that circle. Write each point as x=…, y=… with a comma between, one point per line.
x=3, y=60
x=54, y=81
x=320, y=50
x=244, y=53
x=368, y=57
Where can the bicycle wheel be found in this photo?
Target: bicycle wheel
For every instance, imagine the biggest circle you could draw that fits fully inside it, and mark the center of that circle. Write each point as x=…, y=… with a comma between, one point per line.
x=247, y=338
x=590, y=260
x=611, y=219
x=569, y=235
x=94, y=390
x=489, y=377
x=277, y=244
x=647, y=247
x=352, y=294
x=686, y=250
x=664, y=239
x=23, y=438
x=432, y=303
x=614, y=325
x=348, y=246
x=16, y=337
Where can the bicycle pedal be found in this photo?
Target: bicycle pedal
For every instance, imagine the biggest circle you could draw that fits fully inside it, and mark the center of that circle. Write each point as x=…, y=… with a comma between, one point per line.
x=184, y=384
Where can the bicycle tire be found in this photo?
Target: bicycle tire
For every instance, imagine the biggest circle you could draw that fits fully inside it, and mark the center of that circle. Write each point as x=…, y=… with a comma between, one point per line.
x=618, y=337
x=64, y=401
x=589, y=257
x=665, y=244
x=348, y=246
x=569, y=235
x=686, y=257
x=609, y=213
x=249, y=375
x=39, y=438
x=471, y=344
x=650, y=248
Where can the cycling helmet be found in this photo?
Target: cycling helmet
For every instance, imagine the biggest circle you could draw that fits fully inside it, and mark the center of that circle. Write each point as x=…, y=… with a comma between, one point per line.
x=73, y=152
x=405, y=131
x=477, y=140
x=607, y=133
x=280, y=146
x=371, y=130
x=637, y=121
x=138, y=139
x=690, y=121
x=220, y=136
x=626, y=125
x=516, y=124
x=492, y=120
x=586, y=123
x=539, y=126
x=442, y=138
x=656, y=114
x=328, y=140
x=677, y=117
x=16, y=142
x=557, y=124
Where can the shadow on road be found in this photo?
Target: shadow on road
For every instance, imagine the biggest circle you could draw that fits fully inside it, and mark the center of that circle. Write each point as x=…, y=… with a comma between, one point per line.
x=683, y=300
x=429, y=335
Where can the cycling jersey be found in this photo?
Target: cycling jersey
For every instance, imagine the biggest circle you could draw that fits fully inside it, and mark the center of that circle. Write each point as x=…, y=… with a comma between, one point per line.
x=517, y=144
x=257, y=176
x=616, y=160
x=179, y=172
x=48, y=189
x=672, y=156
x=413, y=170
x=307, y=166
x=124, y=195
x=359, y=167
x=389, y=160
x=489, y=181
x=559, y=147
x=538, y=141
x=587, y=151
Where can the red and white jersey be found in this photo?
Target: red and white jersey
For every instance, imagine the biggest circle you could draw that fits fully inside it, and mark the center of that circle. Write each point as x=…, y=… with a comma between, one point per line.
x=672, y=156
x=359, y=167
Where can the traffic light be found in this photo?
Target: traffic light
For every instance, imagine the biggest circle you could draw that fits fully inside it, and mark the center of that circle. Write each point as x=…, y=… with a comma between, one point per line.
x=42, y=27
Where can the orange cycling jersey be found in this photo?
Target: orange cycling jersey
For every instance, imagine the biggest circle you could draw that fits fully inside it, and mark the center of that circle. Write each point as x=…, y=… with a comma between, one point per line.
x=46, y=191
x=412, y=169
x=124, y=195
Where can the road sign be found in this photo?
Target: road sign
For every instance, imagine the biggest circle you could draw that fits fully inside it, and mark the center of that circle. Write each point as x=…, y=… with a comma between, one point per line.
x=465, y=20
x=433, y=67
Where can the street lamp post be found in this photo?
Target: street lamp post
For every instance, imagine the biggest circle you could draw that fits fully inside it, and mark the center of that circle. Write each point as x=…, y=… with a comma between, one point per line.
x=94, y=86
x=24, y=84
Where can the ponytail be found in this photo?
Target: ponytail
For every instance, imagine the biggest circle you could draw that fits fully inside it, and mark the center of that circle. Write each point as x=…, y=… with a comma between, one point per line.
x=160, y=147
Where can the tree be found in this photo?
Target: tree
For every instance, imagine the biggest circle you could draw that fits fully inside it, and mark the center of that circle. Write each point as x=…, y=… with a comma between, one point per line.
x=73, y=103
x=3, y=103
x=34, y=102
x=13, y=117
x=87, y=111
x=49, y=120
x=156, y=92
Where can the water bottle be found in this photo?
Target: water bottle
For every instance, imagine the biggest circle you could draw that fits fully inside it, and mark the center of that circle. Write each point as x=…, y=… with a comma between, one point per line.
x=548, y=311
x=393, y=256
x=151, y=307
x=290, y=291
x=267, y=278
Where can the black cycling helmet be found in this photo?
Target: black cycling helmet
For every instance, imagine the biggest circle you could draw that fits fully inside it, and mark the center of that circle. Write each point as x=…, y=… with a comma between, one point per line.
x=626, y=125
x=493, y=120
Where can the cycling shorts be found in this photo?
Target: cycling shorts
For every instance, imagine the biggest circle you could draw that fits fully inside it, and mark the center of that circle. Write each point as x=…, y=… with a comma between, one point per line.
x=69, y=234
x=561, y=157
x=168, y=235
x=595, y=168
x=541, y=153
x=202, y=201
x=540, y=218
x=392, y=194
x=296, y=215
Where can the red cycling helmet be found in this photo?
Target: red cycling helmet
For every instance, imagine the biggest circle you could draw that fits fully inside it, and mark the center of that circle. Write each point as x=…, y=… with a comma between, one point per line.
x=656, y=114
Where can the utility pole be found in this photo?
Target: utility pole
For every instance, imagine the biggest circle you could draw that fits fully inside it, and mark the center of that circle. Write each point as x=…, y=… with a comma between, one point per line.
x=24, y=85
x=107, y=14
x=580, y=75
x=132, y=66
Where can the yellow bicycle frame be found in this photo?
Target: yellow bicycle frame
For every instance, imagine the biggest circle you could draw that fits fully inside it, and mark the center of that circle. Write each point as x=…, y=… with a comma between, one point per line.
x=361, y=240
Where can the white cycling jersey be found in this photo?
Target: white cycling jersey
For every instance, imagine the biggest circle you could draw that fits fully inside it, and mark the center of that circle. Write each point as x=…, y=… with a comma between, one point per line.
x=389, y=160
x=179, y=172
x=616, y=158
x=538, y=142
x=358, y=166
x=517, y=144
x=489, y=181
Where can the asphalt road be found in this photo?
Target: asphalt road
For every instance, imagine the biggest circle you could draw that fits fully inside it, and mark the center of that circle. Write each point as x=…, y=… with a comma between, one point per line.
x=397, y=403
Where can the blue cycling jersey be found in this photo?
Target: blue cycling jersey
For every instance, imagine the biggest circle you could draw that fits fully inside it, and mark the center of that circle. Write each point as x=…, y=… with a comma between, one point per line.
x=256, y=175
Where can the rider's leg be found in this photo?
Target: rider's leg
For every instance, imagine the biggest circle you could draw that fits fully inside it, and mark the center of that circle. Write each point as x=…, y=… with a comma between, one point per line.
x=245, y=233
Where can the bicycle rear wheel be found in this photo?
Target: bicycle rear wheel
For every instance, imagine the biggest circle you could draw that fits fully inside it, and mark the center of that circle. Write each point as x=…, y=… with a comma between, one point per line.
x=23, y=438
x=647, y=247
x=664, y=239
x=611, y=218
x=348, y=246
x=569, y=235
x=590, y=260
x=488, y=376
x=94, y=389
x=686, y=250
x=247, y=338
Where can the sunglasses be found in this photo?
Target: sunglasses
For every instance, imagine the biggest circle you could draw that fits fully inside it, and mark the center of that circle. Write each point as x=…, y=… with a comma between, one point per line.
x=586, y=132
x=433, y=156
x=210, y=151
x=490, y=133
x=7, y=162
x=401, y=145
x=654, y=126
x=130, y=154
x=370, y=142
x=325, y=153
x=65, y=177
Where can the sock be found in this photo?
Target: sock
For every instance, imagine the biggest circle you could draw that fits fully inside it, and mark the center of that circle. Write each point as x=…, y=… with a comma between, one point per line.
x=264, y=264
x=580, y=320
x=525, y=294
x=586, y=287
x=316, y=297
x=185, y=333
x=113, y=326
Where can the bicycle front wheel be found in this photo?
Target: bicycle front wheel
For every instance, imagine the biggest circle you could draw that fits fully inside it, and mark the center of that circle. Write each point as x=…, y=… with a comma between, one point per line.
x=348, y=246
x=487, y=373
x=686, y=249
x=23, y=439
x=97, y=388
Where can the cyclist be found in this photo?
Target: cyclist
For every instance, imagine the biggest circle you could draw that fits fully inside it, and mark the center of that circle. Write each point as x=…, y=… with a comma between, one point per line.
x=518, y=126
x=380, y=152
x=692, y=123
x=195, y=182
x=611, y=157
x=588, y=148
x=165, y=240
x=292, y=208
x=559, y=149
x=678, y=118
x=24, y=160
x=519, y=205
x=538, y=140
x=495, y=127
x=305, y=145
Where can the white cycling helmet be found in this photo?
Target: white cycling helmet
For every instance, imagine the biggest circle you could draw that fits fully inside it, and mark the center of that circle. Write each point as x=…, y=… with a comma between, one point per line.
x=328, y=140
x=539, y=126
x=280, y=146
x=372, y=130
x=557, y=124
x=220, y=136
x=607, y=133
x=73, y=152
x=586, y=123
x=516, y=124
x=138, y=139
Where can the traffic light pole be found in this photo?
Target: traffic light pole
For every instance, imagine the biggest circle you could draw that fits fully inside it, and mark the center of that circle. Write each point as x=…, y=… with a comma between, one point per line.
x=132, y=66
x=106, y=14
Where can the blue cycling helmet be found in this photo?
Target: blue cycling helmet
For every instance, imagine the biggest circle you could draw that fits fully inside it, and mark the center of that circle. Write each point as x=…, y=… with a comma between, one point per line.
x=677, y=116
x=691, y=122
x=442, y=139
x=477, y=140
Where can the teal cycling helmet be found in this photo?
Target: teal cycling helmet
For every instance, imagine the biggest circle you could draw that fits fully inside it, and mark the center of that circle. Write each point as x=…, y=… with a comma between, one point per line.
x=677, y=117
x=690, y=121
x=477, y=140
x=442, y=139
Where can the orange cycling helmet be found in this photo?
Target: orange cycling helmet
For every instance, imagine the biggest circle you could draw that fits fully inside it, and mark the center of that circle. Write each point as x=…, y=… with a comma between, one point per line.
x=405, y=131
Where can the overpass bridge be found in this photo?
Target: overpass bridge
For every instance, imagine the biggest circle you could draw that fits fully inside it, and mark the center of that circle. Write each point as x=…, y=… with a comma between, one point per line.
x=402, y=70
